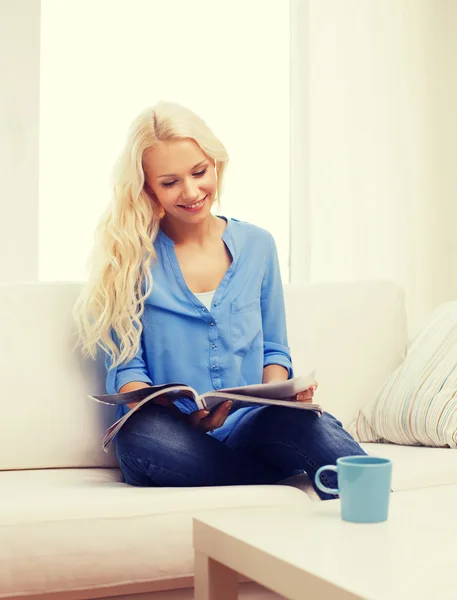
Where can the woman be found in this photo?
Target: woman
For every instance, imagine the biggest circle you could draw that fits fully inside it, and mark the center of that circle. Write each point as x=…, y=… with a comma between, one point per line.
x=177, y=294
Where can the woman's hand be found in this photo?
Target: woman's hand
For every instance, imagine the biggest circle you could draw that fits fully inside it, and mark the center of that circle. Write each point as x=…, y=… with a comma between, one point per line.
x=307, y=395
x=203, y=420
x=200, y=419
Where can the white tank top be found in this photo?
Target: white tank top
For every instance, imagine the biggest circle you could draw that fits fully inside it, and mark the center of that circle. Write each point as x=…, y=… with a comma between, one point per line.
x=206, y=298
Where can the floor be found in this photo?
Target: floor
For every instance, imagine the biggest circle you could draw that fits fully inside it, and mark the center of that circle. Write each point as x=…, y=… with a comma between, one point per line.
x=247, y=591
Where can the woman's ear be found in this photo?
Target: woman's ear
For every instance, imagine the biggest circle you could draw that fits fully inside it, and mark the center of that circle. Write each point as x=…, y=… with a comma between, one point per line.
x=153, y=199
x=148, y=190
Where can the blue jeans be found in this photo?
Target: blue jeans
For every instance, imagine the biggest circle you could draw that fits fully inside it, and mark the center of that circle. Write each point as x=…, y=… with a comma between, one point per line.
x=271, y=443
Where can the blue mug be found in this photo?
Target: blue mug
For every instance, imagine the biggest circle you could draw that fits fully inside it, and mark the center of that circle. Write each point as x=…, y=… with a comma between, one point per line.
x=364, y=484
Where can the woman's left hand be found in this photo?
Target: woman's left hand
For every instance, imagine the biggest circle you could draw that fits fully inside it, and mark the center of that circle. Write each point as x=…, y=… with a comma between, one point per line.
x=307, y=395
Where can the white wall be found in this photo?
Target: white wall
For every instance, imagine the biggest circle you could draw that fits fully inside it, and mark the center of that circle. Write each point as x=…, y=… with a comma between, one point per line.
x=300, y=217
x=19, y=128
x=383, y=140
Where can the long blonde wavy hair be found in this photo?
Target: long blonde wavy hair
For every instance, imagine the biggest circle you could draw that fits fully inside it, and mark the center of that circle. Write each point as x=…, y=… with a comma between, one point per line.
x=120, y=278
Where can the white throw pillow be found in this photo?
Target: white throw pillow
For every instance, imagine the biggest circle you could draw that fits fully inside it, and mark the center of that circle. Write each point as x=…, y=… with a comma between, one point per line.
x=418, y=404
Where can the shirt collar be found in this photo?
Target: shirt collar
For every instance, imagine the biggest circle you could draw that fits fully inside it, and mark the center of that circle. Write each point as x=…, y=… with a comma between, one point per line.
x=226, y=236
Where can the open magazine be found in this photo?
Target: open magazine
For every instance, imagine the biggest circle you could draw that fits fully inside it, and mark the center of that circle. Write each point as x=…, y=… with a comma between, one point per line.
x=281, y=393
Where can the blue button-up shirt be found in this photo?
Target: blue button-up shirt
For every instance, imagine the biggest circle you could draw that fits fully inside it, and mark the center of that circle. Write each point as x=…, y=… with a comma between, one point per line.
x=228, y=346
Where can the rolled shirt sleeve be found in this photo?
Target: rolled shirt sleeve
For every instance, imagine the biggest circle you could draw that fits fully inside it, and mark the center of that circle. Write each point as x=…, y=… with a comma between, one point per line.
x=133, y=370
x=275, y=345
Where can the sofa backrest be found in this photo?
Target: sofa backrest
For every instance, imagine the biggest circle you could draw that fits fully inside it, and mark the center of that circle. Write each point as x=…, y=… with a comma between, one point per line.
x=354, y=333
x=47, y=418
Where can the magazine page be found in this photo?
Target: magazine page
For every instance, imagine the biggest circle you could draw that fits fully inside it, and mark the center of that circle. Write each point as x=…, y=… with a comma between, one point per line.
x=141, y=394
x=116, y=426
x=210, y=402
x=276, y=390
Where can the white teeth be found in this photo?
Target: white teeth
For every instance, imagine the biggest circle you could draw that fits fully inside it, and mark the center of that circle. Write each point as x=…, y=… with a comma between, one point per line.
x=199, y=203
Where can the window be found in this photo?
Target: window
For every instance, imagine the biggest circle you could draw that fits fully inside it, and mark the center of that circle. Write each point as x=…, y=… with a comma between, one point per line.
x=103, y=62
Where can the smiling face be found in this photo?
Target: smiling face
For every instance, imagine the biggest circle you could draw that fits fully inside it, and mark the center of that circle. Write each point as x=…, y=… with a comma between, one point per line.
x=182, y=178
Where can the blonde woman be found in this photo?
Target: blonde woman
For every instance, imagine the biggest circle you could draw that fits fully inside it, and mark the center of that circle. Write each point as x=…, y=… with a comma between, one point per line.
x=177, y=294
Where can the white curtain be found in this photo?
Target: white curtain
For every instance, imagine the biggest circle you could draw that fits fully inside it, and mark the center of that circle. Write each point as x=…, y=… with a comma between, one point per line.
x=383, y=145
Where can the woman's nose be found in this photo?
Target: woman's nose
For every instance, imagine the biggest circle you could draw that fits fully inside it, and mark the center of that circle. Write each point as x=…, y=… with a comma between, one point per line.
x=190, y=190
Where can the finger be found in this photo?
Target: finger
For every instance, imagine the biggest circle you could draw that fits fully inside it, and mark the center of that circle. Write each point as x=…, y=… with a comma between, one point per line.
x=197, y=416
x=200, y=414
x=221, y=414
x=306, y=396
x=217, y=418
x=311, y=389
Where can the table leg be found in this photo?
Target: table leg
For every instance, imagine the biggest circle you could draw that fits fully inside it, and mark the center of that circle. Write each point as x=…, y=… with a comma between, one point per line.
x=213, y=580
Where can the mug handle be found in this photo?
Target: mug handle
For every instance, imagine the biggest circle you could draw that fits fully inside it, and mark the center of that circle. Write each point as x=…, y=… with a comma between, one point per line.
x=320, y=485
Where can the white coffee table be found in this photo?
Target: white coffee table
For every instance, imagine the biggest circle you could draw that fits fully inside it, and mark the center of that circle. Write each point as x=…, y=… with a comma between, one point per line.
x=311, y=553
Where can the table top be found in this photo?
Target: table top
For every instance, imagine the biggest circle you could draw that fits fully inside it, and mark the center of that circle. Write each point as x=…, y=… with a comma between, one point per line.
x=411, y=555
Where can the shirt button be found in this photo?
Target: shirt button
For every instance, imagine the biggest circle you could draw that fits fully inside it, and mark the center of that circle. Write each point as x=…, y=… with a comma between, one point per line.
x=212, y=324
x=213, y=367
x=213, y=346
x=215, y=303
x=204, y=309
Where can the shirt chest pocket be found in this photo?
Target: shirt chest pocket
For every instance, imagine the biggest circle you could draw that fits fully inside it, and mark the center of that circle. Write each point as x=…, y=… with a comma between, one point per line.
x=245, y=325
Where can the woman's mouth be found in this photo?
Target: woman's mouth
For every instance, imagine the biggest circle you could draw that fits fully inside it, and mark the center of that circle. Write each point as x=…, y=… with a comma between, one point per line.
x=195, y=206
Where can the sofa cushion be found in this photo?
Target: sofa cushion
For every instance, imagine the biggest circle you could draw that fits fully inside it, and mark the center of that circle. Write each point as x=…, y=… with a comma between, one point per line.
x=418, y=403
x=68, y=529
x=415, y=467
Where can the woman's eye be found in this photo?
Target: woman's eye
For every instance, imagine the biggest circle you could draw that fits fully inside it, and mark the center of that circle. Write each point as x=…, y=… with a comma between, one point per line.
x=171, y=183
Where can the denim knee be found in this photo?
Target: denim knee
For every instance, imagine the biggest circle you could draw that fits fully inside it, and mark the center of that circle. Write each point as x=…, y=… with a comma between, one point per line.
x=324, y=427
x=151, y=429
x=303, y=421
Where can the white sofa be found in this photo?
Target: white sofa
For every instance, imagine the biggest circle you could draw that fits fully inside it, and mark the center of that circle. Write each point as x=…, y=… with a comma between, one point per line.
x=69, y=529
